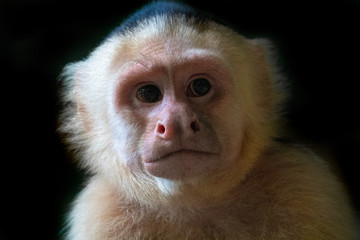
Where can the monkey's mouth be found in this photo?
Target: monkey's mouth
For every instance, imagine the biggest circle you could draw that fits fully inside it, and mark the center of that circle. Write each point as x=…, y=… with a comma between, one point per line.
x=175, y=154
x=181, y=164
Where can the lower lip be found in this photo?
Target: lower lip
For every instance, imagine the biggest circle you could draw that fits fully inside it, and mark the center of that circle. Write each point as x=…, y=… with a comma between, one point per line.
x=181, y=164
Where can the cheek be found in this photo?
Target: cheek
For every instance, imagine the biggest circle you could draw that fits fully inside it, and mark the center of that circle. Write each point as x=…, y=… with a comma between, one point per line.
x=148, y=141
x=127, y=130
x=229, y=127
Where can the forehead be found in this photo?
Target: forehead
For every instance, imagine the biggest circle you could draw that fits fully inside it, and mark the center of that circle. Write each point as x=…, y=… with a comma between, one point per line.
x=161, y=42
x=171, y=53
x=170, y=57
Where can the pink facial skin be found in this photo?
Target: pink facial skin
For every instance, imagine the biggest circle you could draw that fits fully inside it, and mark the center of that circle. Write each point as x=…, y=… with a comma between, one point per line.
x=178, y=141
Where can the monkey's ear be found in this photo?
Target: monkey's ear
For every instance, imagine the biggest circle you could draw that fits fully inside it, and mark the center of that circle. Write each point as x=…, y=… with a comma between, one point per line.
x=269, y=92
x=263, y=44
x=275, y=80
x=82, y=109
x=75, y=112
x=83, y=116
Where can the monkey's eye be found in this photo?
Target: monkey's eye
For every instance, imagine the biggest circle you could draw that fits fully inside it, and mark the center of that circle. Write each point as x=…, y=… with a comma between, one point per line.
x=198, y=87
x=149, y=94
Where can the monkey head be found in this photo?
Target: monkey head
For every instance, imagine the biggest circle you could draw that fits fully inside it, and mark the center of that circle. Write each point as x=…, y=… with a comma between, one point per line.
x=172, y=104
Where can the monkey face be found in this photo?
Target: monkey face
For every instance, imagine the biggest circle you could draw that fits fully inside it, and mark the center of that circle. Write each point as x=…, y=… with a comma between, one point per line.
x=177, y=93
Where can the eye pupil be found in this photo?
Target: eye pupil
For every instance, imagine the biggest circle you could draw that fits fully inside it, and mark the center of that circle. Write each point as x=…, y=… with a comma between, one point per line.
x=149, y=94
x=200, y=87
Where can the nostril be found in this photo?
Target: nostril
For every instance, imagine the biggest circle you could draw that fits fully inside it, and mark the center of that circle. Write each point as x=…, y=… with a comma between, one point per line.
x=195, y=126
x=161, y=129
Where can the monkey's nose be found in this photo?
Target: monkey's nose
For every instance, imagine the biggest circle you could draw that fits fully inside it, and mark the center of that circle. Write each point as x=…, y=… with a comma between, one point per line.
x=170, y=131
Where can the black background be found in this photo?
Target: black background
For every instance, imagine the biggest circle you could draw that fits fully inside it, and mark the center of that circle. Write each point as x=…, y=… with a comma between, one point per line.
x=318, y=43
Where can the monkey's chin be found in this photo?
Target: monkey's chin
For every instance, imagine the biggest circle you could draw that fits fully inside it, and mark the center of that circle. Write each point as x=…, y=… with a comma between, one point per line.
x=183, y=164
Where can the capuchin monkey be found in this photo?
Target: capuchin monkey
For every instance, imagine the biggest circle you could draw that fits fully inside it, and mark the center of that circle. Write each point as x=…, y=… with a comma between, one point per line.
x=175, y=116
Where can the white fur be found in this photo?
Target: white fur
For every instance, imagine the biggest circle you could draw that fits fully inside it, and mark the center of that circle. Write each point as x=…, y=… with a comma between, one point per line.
x=270, y=192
